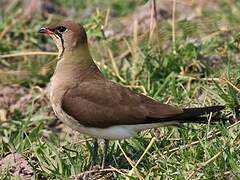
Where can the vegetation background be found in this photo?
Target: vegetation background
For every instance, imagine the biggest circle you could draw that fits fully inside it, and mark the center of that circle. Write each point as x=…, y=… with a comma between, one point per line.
x=185, y=53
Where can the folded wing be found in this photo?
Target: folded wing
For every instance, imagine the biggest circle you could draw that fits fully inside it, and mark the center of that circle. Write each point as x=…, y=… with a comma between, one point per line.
x=104, y=103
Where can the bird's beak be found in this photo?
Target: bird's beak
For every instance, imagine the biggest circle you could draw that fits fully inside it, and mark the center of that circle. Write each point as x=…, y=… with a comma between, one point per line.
x=46, y=30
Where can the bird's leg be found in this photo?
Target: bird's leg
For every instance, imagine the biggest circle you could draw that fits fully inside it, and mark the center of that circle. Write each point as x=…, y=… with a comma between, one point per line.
x=95, y=151
x=105, y=152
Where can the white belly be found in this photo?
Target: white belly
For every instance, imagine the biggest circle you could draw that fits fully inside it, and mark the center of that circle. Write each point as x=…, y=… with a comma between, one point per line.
x=120, y=131
x=114, y=132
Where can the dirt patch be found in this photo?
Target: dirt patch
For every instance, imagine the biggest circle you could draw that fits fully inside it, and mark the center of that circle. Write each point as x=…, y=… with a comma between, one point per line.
x=145, y=15
x=17, y=98
x=17, y=166
x=12, y=97
x=95, y=174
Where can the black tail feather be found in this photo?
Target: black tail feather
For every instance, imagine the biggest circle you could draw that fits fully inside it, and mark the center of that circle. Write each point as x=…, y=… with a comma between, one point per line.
x=191, y=115
x=203, y=110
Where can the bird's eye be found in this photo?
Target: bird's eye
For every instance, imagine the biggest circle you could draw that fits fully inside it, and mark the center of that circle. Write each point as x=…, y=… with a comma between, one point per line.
x=61, y=29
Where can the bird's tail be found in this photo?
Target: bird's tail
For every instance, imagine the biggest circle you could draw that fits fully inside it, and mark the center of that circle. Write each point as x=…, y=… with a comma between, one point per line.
x=192, y=115
x=195, y=115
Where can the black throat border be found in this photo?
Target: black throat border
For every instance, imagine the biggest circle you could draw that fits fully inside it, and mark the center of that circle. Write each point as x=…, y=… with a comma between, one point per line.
x=62, y=42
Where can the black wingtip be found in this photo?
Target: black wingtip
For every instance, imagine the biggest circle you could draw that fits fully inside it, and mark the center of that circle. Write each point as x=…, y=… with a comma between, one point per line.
x=203, y=110
x=191, y=115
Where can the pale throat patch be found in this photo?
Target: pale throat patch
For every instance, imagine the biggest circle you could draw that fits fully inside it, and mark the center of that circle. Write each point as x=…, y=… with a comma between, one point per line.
x=58, y=43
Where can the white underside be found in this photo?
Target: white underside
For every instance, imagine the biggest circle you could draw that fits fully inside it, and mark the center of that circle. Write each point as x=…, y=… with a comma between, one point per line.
x=119, y=132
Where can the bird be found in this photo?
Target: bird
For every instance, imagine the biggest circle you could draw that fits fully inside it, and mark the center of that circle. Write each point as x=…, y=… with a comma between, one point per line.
x=86, y=101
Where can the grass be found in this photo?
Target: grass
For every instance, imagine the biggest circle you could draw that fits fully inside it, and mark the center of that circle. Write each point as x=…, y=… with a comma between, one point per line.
x=201, y=68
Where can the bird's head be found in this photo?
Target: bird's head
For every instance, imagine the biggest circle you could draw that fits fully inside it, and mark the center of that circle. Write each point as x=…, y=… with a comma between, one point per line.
x=67, y=35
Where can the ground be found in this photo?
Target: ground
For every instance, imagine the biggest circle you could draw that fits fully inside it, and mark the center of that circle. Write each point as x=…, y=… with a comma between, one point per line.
x=184, y=54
